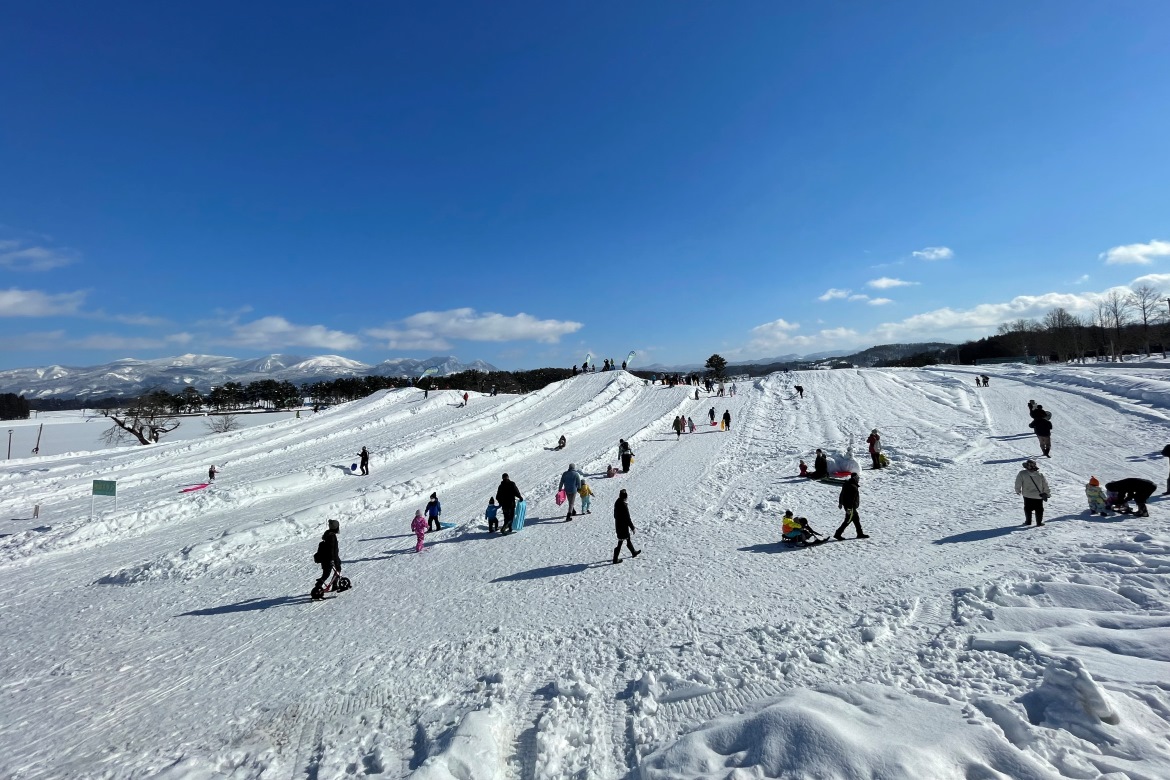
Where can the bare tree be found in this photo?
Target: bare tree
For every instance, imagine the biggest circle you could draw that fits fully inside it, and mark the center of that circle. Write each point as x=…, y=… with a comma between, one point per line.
x=1146, y=302
x=1117, y=313
x=1062, y=330
x=223, y=423
x=1020, y=334
x=146, y=419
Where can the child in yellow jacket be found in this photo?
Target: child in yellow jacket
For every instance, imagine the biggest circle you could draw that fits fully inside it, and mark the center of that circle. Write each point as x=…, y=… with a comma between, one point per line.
x=586, y=494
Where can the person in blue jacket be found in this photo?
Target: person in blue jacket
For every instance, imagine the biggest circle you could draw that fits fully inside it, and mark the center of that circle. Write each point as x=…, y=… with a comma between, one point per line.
x=433, y=510
x=571, y=482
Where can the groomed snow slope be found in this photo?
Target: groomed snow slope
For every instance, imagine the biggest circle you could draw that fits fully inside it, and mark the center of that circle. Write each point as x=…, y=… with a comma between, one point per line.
x=173, y=637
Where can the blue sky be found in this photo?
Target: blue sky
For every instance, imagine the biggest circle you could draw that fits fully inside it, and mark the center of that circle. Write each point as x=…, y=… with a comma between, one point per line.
x=522, y=183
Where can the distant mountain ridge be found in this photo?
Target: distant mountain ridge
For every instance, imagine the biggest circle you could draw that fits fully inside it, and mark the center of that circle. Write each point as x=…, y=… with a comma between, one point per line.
x=130, y=376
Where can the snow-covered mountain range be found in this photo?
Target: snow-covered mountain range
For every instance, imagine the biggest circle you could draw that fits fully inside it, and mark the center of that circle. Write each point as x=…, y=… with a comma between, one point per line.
x=130, y=376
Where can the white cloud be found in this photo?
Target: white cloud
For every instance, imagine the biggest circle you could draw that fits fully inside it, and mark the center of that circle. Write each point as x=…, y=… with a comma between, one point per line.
x=934, y=253
x=435, y=329
x=1083, y=278
x=885, y=283
x=277, y=332
x=1142, y=254
x=782, y=334
x=859, y=297
x=15, y=302
x=832, y=293
x=880, y=301
x=1153, y=280
x=17, y=256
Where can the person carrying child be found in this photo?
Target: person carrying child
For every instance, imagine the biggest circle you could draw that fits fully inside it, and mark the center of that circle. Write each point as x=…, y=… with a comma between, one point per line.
x=1098, y=503
x=586, y=494
x=419, y=526
x=490, y=515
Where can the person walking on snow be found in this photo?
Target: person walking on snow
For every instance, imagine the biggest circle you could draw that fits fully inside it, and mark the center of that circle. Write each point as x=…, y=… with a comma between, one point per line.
x=1098, y=505
x=727, y=419
x=875, y=448
x=1043, y=428
x=733, y=389
x=624, y=527
x=570, y=483
x=711, y=414
x=625, y=454
x=211, y=472
x=1032, y=485
x=434, y=509
x=365, y=461
x=849, y=500
x=328, y=554
x=678, y=426
x=420, y=526
x=490, y=515
x=691, y=426
x=586, y=494
x=465, y=399
x=507, y=494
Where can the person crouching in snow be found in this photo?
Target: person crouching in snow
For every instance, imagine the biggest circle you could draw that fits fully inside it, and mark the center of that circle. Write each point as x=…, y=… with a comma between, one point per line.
x=419, y=526
x=1096, y=495
x=803, y=469
x=586, y=494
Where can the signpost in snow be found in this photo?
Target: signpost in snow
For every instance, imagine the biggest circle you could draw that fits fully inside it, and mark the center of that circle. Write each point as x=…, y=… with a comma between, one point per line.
x=103, y=487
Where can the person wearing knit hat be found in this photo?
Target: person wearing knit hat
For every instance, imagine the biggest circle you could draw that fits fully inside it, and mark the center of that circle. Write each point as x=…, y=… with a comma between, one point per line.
x=1096, y=495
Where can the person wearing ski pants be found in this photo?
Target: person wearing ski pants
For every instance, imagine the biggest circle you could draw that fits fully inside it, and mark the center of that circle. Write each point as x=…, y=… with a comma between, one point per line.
x=624, y=527
x=727, y=419
x=331, y=558
x=434, y=511
x=365, y=461
x=849, y=500
x=570, y=483
x=626, y=454
x=419, y=526
x=507, y=494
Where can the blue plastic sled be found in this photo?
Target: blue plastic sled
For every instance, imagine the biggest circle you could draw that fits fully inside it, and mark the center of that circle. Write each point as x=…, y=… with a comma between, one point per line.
x=446, y=525
x=353, y=467
x=518, y=518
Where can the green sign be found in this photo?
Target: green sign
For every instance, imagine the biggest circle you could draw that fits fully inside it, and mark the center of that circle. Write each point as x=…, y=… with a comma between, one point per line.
x=104, y=487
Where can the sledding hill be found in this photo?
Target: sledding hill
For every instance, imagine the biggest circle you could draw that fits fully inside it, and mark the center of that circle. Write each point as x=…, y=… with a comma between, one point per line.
x=175, y=635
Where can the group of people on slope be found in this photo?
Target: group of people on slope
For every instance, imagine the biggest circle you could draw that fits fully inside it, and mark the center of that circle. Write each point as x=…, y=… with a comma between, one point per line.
x=681, y=424
x=796, y=530
x=1115, y=496
x=981, y=380
x=725, y=421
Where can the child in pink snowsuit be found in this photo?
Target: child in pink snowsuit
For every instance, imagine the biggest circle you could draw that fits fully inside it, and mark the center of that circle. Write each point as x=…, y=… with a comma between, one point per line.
x=419, y=526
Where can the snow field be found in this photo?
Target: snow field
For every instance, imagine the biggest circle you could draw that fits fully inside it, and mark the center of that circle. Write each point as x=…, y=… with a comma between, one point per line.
x=175, y=638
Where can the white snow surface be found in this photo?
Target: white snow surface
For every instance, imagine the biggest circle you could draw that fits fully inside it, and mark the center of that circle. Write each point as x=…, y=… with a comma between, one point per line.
x=174, y=638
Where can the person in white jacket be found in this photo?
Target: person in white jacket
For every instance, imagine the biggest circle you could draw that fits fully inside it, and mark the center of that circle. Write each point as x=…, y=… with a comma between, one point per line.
x=1032, y=485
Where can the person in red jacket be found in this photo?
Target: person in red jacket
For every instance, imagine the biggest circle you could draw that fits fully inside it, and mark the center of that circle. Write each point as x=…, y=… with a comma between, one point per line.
x=875, y=448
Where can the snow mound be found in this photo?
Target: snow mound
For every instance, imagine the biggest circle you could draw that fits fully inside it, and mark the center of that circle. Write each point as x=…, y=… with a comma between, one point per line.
x=860, y=732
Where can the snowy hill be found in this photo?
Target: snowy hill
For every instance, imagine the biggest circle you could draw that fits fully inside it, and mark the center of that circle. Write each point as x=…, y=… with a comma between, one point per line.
x=173, y=637
x=130, y=376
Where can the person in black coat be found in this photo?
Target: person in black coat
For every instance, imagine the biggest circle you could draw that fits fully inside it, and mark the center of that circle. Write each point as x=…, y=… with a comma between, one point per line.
x=1136, y=488
x=849, y=500
x=365, y=462
x=507, y=494
x=624, y=527
x=1043, y=428
x=626, y=454
x=711, y=413
x=328, y=554
x=727, y=419
x=820, y=466
x=799, y=390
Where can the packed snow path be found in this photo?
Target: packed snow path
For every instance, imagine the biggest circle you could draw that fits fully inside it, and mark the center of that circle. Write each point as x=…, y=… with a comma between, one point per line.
x=175, y=635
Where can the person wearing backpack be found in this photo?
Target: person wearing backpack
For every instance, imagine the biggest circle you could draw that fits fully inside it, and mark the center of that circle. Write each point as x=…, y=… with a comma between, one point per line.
x=328, y=554
x=1032, y=485
x=625, y=454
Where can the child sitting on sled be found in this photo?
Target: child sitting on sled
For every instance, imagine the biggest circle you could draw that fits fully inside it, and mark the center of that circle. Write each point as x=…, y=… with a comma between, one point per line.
x=1098, y=502
x=797, y=531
